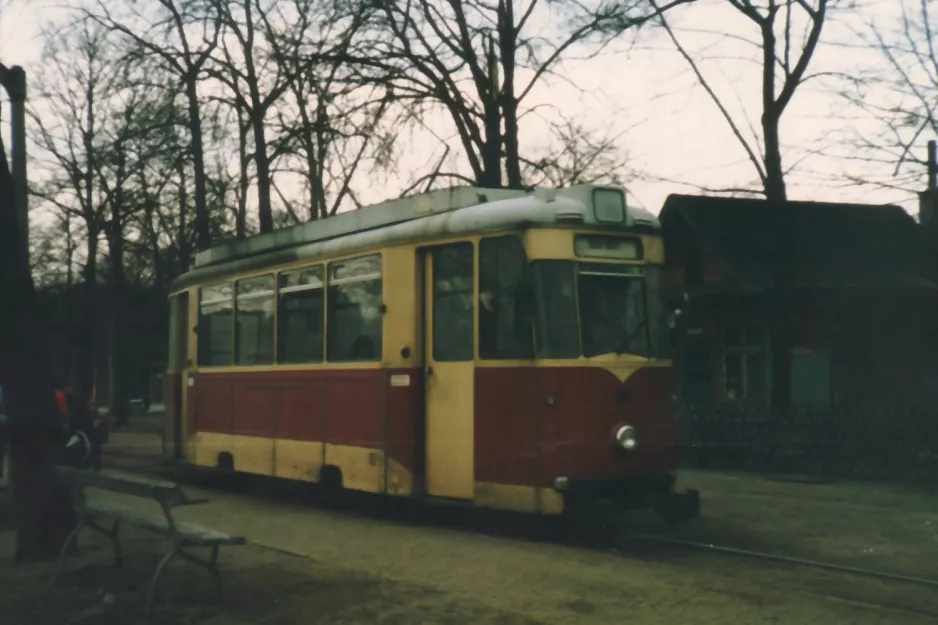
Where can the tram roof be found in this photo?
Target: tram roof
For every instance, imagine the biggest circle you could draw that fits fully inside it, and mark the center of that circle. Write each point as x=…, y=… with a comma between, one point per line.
x=446, y=212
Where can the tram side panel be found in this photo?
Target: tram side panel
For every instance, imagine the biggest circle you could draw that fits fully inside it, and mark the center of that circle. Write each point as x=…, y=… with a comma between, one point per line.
x=404, y=417
x=300, y=426
x=362, y=419
x=507, y=459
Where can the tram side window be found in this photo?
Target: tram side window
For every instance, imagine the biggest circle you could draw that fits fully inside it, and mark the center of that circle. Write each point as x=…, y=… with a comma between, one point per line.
x=505, y=300
x=300, y=315
x=254, y=321
x=354, y=316
x=216, y=325
x=453, y=302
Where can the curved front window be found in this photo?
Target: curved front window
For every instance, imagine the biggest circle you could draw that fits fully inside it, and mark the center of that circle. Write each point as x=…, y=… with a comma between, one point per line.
x=591, y=309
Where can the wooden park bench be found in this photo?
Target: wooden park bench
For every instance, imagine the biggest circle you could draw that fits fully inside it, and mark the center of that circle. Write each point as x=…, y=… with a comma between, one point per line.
x=106, y=517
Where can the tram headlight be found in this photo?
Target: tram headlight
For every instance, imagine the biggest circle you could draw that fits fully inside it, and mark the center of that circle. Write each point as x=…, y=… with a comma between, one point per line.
x=561, y=484
x=625, y=438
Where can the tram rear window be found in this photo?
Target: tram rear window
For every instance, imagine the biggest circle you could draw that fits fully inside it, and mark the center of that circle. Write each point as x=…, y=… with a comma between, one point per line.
x=216, y=326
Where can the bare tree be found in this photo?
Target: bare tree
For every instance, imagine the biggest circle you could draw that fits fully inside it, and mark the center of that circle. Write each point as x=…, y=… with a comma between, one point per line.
x=255, y=82
x=167, y=36
x=103, y=127
x=134, y=135
x=78, y=77
x=326, y=117
x=784, y=62
x=900, y=94
x=467, y=56
x=578, y=155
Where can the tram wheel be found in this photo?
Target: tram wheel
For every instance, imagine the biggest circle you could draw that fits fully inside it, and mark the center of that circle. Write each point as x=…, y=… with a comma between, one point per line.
x=330, y=485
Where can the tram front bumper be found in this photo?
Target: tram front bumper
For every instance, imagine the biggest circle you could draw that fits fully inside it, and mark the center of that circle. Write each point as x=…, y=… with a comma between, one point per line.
x=620, y=493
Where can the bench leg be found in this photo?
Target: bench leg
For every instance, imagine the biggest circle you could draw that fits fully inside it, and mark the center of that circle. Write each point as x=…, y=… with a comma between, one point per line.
x=210, y=565
x=69, y=541
x=156, y=576
x=72, y=541
x=214, y=570
x=118, y=554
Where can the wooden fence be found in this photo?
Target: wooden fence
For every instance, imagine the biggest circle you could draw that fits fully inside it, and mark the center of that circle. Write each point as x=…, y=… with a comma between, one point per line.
x=868, y=443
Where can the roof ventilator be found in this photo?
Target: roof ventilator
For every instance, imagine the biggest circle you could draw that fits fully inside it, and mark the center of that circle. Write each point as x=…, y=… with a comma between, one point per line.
x=576, y=218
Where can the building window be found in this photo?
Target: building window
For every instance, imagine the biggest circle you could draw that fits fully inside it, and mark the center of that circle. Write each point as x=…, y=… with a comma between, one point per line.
x=216, y=326
x=354, y=317
x=453, y=296
x=743, y=365
x=505, y=300
x=254, y=321
x=300, y=316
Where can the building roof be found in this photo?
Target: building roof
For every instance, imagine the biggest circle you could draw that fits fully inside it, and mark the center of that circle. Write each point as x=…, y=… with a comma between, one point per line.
x=834, y=245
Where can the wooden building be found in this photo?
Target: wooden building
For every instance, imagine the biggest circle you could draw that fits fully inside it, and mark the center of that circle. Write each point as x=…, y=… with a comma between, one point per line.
x=863, y=302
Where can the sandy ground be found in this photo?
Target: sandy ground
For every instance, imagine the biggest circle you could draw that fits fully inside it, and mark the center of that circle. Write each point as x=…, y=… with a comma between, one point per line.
x=307, y=564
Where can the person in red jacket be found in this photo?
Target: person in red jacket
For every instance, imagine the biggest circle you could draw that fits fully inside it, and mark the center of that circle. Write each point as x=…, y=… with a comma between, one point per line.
x=82, y=425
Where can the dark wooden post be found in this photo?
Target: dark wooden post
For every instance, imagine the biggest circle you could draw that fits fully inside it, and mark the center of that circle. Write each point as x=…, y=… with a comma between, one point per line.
x=43, y=515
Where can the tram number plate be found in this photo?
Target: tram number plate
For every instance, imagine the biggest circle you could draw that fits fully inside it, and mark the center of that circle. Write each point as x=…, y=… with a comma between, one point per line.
x=400, y=380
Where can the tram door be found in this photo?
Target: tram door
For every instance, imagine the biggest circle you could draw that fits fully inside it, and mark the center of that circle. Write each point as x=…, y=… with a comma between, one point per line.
x=449, y=331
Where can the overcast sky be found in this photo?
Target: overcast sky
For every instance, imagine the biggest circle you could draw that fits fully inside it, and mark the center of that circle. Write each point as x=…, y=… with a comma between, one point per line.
x=670, y=128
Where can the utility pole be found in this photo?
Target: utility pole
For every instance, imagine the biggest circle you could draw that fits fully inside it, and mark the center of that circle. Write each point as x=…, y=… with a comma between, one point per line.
x=13, y=80
x=43, y=516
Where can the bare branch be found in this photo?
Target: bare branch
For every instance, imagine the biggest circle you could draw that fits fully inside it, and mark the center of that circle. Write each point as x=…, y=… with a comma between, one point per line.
x=750, y=152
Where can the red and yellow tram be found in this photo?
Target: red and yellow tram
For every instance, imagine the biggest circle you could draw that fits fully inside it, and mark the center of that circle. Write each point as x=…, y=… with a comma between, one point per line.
x=507, y=349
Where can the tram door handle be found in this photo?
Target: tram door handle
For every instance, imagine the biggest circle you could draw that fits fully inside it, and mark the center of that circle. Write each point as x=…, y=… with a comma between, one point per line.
x=428, y=370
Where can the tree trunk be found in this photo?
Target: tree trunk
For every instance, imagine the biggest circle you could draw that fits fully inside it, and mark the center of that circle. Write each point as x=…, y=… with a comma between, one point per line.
x=241, y=215
x=307, y=133
x=117, y=358
x=507, y=43
x=774, y=186
x=492, y=148
x=203, y=237
x=781, y=331
x=84, y=342
x=322, y=152
x=183, y=235
x=42, y=511
x=265, y=215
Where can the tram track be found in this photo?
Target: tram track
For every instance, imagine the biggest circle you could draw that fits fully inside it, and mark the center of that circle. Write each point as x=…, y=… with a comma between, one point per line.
x=879, y=597
x=748, y=553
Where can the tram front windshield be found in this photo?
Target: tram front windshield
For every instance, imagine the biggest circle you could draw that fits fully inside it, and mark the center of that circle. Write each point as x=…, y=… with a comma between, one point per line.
x=592, y=309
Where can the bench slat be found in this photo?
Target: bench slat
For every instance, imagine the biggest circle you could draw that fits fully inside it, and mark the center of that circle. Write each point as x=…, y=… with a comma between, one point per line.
x=118, y=481
x=189, y=532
